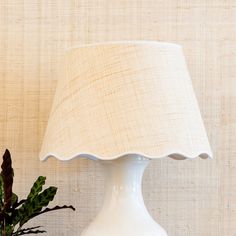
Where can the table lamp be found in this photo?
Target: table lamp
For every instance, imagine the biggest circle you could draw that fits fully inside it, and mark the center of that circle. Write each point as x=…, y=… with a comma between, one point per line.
x=124, y=104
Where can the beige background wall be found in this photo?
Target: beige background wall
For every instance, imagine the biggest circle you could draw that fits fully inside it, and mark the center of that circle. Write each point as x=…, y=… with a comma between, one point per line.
x=196, y=197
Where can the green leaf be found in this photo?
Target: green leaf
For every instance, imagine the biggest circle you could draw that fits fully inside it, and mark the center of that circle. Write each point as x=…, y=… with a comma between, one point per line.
x=54, y=209
x=7, y=176
x=37, y=187
x=42, y=200
x=31, y=230
x=34, y=206
x=28, y=231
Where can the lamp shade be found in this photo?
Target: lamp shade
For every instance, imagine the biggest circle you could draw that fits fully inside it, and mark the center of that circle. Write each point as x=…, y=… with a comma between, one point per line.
x=121, y=98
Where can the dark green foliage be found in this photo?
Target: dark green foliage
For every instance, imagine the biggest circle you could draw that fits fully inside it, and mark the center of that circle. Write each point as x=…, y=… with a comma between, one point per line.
x=7, y=177
x=13, y=213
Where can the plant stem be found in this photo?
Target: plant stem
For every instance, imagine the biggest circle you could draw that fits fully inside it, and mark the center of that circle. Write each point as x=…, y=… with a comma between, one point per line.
x=4, y=228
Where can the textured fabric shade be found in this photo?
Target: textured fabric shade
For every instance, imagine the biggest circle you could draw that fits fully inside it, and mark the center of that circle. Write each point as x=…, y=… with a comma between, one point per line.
x=123, y=98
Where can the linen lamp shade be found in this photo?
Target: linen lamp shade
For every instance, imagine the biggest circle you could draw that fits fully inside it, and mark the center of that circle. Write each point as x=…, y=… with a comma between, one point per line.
x=121, y=98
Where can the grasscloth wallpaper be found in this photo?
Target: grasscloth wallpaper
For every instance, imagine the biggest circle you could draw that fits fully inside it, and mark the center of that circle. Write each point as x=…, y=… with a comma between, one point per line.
x=194, y=197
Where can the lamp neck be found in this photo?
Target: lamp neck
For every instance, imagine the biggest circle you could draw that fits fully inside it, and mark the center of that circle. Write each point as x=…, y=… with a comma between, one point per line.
x=123, y=212
x=124, y=180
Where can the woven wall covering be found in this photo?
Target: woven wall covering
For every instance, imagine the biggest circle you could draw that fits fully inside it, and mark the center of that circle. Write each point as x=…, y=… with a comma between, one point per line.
x=193, y=197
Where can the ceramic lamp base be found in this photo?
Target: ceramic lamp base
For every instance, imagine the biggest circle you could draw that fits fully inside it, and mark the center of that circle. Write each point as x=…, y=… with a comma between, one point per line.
x=123, y=212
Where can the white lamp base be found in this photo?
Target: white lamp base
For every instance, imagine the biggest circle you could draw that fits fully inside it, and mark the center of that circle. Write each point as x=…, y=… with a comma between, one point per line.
x=123, y=212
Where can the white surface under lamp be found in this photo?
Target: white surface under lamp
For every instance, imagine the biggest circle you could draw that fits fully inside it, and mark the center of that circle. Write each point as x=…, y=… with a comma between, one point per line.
x=124, y=104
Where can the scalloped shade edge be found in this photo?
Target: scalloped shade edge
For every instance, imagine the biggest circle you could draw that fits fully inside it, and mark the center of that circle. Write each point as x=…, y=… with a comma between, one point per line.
x=173, y=155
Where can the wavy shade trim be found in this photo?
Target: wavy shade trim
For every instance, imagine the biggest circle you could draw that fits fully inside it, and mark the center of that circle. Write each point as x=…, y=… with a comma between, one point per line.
x=123, y=98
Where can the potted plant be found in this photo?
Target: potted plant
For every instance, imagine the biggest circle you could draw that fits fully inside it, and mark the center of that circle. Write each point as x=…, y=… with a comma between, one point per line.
x=14, y=213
